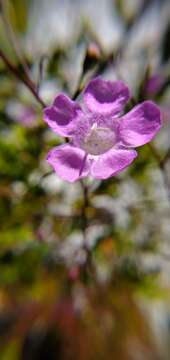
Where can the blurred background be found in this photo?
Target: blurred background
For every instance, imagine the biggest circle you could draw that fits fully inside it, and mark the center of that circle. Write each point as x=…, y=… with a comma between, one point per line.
x=61, y=298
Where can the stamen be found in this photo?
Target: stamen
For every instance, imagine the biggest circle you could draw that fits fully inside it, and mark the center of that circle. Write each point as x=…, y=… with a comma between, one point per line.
x=99, y=140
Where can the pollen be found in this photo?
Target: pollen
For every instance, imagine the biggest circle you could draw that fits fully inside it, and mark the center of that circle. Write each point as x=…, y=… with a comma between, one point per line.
x=99, y=140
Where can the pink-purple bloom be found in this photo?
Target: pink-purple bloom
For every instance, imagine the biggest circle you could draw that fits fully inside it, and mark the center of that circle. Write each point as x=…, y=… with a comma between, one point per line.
x=101, y=139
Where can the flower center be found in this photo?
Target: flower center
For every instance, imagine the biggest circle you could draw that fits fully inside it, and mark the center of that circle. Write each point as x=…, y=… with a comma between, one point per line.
x=99, y=140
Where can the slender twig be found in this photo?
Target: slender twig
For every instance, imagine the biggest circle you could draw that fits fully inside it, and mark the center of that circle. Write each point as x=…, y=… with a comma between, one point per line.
x=22, y=77
x=41, y=71
x=18, y=52
x=12, y=37
x=161, y=164
x=84, y=225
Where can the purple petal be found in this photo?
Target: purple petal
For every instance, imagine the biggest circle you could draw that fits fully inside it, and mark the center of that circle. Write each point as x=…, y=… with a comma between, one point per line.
x=112, y=162
x=61, y=115
x=69, y=162
x=140, y=125
x=106, y=97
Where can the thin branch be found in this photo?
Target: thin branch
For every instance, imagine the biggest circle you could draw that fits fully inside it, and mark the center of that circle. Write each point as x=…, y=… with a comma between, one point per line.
x=84, y=224
x=23, y=78
x=41, y=70
x=12, y=37
x=161, y=164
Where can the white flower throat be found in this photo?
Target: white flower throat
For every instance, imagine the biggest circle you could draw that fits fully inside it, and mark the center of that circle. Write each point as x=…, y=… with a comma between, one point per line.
x=99, y=140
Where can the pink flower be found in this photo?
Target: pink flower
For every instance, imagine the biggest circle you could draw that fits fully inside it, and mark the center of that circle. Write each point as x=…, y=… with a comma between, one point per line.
x=101, y=142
